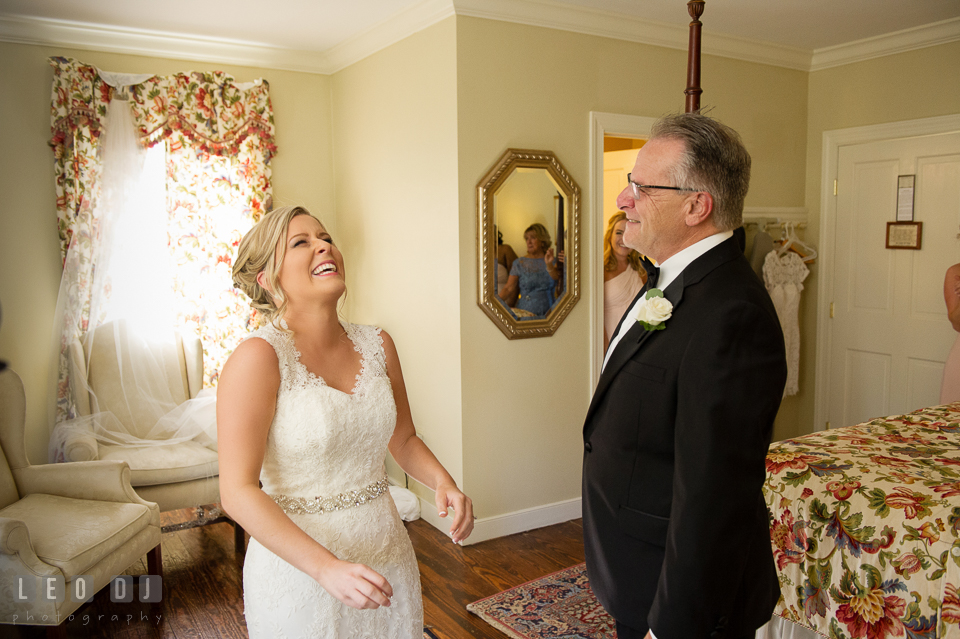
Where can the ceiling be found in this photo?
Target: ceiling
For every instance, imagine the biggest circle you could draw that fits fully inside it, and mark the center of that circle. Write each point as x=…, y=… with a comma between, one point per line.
x=321, y=26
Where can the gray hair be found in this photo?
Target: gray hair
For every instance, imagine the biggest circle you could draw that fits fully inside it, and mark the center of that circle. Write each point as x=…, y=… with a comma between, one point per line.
x=714, y=161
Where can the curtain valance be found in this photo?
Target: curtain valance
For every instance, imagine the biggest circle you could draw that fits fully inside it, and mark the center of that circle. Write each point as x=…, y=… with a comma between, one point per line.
x=207, y=112
x=210, y=108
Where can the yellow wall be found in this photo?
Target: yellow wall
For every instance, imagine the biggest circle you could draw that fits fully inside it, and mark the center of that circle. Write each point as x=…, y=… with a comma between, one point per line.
x=529, y=87
x=395, y=149
x=906, y=86
x=29, y=252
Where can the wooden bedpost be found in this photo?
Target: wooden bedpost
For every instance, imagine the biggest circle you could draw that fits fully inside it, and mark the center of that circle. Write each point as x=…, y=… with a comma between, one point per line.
x=693, y=91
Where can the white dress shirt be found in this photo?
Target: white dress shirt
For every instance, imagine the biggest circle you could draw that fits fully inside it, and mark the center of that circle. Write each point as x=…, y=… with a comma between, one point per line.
x=669, y=270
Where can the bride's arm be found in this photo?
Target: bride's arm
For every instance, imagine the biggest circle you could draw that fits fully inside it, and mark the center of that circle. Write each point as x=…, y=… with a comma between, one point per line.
x=246, y=400
x=417, y=460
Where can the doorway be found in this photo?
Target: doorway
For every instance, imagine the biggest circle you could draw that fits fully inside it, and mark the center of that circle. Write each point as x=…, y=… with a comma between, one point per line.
x=623, y=131
x=621, y=277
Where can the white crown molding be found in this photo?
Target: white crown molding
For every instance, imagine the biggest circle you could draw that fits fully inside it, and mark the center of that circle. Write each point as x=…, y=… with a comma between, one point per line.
x=390, y=31
x=125, y=40
x=554, y=15
x=542, y=13
x=927, y=35
x=177, y=46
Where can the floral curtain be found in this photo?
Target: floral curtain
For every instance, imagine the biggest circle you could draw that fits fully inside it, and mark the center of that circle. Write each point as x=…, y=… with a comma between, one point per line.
x=219, y=138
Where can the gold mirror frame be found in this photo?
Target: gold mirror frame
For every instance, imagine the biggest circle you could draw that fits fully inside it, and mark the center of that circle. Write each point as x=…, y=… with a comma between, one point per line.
x=487, y=188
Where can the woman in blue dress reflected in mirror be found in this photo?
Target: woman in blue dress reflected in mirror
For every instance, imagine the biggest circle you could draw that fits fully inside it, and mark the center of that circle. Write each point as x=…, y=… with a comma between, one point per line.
x=530, y=288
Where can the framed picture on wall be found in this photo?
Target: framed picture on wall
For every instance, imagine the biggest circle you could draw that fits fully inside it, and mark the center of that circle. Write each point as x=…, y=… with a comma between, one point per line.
x=904, y=235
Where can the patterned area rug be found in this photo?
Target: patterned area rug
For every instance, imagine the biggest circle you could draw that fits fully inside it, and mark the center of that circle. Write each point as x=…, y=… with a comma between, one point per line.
x=555, y=606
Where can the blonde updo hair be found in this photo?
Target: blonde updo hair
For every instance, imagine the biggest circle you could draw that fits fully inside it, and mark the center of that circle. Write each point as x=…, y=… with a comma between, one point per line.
x=609, y=259
x=263, y=249
x=541, y=233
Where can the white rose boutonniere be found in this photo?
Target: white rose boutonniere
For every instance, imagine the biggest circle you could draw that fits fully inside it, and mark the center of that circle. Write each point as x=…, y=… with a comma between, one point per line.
x=655, y=310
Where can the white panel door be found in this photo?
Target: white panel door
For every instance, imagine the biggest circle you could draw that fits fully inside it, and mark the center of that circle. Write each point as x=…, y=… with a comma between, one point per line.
x=890, y=335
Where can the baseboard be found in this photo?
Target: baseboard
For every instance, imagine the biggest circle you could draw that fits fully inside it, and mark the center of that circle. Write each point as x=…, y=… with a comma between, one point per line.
x=509, y=524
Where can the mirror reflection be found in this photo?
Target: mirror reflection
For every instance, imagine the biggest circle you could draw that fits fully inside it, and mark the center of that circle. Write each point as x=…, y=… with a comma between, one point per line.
x=528, y=234
x=529, y=213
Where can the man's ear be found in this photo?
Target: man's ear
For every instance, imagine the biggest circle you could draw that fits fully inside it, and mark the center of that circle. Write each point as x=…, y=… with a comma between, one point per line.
x=700, y=208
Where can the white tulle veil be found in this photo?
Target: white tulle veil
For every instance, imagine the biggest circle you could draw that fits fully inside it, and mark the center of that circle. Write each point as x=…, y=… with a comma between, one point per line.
x=128, y=373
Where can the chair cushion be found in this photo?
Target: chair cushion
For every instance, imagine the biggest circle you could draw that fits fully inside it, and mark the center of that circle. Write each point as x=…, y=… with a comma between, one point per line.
x=153, y=465
x=75, y=534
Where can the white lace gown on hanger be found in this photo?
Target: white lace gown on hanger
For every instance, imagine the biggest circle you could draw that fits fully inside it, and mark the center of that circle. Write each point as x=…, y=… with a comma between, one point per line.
x=783, y=276
x=332, y=445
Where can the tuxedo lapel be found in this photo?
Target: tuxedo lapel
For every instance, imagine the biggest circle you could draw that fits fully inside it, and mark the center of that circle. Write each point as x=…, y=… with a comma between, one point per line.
x=637, y=336
x=651, y=282
x=631, y=343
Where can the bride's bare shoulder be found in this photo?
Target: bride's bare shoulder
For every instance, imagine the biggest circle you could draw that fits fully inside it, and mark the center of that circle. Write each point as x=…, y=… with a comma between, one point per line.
x=252, y=356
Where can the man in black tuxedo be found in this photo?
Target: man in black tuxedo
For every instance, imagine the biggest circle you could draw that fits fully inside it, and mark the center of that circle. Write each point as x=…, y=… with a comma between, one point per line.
x=675, y=527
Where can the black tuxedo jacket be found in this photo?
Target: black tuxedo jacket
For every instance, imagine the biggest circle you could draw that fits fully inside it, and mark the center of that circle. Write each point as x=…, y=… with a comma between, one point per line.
x=675, y=527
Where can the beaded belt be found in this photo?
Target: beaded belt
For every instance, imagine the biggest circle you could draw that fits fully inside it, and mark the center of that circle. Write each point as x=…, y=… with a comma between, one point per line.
x=342, y=501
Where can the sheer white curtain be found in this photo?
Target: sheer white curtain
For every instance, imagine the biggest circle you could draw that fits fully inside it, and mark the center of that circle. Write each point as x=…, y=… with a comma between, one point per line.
x=132, y=302
x=123, y=212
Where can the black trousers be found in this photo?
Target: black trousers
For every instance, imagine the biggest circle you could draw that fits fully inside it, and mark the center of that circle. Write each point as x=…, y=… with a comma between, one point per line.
x=626, y=632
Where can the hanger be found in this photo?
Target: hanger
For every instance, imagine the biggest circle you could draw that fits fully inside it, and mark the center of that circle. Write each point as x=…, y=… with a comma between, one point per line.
x=790, y=242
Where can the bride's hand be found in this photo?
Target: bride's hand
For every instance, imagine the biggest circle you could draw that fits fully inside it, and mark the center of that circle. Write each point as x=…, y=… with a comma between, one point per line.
x=356, y=585
x=449, y=496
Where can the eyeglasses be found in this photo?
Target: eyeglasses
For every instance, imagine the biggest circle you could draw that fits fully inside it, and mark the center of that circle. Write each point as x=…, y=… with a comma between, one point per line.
x=637, y=192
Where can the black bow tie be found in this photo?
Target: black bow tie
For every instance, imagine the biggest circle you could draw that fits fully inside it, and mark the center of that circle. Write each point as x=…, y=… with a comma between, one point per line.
x=653, y=273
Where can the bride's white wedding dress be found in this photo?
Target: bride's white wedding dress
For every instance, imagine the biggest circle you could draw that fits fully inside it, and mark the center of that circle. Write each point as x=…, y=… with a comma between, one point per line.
x=324, y=465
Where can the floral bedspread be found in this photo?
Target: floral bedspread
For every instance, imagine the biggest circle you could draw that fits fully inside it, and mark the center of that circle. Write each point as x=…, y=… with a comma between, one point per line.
x=865, y=526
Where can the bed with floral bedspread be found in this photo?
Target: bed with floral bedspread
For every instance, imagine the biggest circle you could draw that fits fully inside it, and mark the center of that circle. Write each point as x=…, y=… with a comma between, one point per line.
x=865, y=527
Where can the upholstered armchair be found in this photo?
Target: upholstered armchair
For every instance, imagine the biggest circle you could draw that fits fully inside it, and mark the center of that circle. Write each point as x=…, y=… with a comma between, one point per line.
x=175, y=475
x=62, y=521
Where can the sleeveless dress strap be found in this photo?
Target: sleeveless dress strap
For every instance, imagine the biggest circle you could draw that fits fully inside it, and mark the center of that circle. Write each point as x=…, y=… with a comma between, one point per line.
x=369, y=343
x=282, y=344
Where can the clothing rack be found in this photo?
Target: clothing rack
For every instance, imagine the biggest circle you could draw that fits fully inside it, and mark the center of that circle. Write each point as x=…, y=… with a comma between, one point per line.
x=764, y=224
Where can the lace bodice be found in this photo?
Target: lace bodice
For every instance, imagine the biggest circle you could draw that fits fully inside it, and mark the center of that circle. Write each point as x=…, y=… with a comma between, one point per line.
x=783, y=270
x=783, y=276
x=338, y=439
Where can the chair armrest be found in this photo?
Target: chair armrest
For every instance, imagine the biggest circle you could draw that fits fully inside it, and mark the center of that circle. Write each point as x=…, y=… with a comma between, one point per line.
x=102, y=480
x=76, y=441
x=15, y=540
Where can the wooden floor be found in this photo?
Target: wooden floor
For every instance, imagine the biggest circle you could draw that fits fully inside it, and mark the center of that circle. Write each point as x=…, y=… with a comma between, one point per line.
x=202, y=578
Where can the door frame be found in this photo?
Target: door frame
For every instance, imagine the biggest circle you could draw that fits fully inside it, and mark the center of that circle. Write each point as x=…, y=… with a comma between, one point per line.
x=832, y=141
x=602, y=124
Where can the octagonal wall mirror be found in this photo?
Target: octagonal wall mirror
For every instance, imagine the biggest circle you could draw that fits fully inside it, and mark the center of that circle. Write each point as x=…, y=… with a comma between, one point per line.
x=528, y=279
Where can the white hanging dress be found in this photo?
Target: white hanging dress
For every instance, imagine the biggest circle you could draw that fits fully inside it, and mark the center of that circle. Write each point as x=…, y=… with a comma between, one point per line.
x=783, y=276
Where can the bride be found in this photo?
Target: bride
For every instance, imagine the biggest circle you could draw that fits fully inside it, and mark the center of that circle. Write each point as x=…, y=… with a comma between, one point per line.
x=307, y=407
